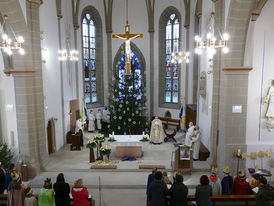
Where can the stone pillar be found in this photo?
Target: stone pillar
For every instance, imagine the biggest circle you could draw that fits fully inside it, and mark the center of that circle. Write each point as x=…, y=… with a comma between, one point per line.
x=29, y=96
x=232, y=114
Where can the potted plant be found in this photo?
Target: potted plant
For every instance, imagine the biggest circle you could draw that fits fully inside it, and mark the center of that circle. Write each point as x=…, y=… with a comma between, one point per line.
x=91, y=145
x=99, y=138
x=105, y=151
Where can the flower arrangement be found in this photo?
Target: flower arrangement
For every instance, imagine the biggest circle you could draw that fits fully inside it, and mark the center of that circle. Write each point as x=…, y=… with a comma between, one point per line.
x=105, y=150
x=111, y=138
x=144, y=139
x=99, y=137
x=91, y=144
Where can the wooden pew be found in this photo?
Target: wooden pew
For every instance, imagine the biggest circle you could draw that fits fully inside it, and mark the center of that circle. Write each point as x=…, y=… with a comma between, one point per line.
x=170, y=122
x=4, y=198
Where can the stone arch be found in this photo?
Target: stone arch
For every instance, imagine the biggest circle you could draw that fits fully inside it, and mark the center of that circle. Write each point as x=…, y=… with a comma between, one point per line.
x=161, y=55
x=99, y=52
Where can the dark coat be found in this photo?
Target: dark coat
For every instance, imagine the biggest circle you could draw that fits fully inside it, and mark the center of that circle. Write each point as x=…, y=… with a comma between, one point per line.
x=203, y=195
x=2, y=181
x=157, y=193
x=265, y=195
x=8, y=180
x=150, y=178
x=62, y=191
x=227, y=185
x=178, y=193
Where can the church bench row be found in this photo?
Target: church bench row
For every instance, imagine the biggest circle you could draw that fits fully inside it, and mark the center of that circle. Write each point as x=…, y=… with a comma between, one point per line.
x=4, y=198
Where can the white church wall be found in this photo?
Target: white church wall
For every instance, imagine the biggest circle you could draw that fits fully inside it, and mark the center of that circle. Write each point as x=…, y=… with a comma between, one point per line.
x=160, y=6
x=8, y=123
x=23, y=8
x=260, y=53
x=52, y=70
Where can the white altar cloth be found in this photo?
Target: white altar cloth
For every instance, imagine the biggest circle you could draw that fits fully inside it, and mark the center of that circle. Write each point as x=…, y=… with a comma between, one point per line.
x=128, y=140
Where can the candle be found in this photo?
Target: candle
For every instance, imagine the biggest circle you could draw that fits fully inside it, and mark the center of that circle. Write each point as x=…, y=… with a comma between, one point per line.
x=239, y=152
x=112, y=133
x=143, y=133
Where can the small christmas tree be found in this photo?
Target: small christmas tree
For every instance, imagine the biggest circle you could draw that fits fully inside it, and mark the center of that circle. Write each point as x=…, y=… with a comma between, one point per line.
x=128, y=113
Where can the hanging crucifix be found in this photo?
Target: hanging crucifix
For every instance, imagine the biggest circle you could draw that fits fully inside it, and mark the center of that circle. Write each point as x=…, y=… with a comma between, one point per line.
x=127, y=36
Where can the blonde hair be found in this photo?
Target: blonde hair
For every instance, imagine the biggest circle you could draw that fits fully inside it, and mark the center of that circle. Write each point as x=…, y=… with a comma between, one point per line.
x=78, y=183
x=164, y=173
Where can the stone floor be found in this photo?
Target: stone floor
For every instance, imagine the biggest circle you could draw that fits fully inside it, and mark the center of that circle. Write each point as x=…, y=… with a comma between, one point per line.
x=125, y=185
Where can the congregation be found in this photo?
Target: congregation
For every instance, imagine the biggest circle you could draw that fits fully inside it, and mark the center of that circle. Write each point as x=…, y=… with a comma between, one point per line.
x=161, y=192
x=58, y=194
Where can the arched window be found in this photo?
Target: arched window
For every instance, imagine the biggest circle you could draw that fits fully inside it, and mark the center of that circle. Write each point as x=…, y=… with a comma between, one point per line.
x=92, y=56
x=137, y=73
x=169, y=73
x=137, y=61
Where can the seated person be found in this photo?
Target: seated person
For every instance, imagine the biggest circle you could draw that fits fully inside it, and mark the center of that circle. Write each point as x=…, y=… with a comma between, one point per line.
x=178, y=192
x=240, y=184
x=227, y=182
x=30, y=200
x=79, y=194
x=46, y=195
x=16, y=195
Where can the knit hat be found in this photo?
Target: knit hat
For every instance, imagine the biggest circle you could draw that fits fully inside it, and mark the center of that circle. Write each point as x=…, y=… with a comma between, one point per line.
x=214, y=170
x=251, y=170
x=14, y=175
x=241, y=173
x=226, y=169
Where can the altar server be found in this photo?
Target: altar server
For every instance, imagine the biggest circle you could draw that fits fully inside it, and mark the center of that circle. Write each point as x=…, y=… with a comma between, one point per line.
x=189, y=133
x=91, y=123
x=99, y=119
x=196, y=139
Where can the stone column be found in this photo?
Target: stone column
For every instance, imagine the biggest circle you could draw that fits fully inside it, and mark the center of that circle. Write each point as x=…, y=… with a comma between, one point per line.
x=232, y=114
x=29, y=96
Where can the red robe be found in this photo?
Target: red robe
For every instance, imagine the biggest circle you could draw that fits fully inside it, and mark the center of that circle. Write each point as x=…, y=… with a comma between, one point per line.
x=240, y=186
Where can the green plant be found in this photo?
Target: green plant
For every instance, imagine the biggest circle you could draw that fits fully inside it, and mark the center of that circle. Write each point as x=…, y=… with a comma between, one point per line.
x=6, y=156
x=91, y=144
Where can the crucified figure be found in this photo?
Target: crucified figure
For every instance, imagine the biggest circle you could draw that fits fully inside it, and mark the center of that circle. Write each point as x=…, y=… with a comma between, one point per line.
x=127, y=36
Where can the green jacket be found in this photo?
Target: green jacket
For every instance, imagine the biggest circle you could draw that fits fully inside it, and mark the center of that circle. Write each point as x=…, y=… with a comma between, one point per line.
x=46, y=197
x=265, y=195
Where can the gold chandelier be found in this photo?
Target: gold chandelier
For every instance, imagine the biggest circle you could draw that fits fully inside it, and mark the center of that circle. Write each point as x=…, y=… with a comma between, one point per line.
x=71, y=55
x=211, y=43
x=7, y=44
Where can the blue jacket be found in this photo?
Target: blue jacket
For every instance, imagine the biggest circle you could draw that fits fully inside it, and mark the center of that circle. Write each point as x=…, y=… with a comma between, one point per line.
x=8, y=180
x=157, y=193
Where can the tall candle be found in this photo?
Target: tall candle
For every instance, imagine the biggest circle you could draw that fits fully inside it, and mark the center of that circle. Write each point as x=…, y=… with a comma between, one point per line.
x=112, y=133
x=143, y=133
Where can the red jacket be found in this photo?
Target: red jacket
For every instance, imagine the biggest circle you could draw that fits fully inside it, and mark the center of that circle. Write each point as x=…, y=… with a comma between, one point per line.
x=240, y=186
x=80, y=196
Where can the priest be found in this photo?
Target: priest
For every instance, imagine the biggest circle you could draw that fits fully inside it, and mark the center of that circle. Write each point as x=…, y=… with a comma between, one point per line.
x=196, y=139
x=189, y=133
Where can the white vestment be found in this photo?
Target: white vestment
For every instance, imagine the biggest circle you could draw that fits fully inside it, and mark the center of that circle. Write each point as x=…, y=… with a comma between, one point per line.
x=156, y=132
x=78, y=125
x=106, y=115
x=196, y=139
x=91, y=123
x=98, y=118
x=189, y=133
x=270, y=99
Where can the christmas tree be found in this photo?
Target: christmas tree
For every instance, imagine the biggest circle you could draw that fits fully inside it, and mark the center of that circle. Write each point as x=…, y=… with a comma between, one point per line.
x=128, y=113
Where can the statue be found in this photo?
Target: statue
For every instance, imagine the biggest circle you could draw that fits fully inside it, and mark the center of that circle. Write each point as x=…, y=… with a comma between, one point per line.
x=156, y=132
x=91, y=123
x=270, y=110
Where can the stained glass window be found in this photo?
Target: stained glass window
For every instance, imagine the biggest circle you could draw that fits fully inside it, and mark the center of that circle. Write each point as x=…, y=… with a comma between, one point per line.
x=172, y=40
x=89, y=59
x=138, y=75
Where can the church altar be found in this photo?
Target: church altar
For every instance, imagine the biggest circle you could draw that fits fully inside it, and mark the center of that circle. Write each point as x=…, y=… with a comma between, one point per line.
x=128, y=145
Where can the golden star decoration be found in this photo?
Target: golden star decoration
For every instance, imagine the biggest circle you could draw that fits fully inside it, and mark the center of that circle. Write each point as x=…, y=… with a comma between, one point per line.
x=261, y=154
x=268, y=153
x=244, y=155
x=256, y=167
x=253, y=155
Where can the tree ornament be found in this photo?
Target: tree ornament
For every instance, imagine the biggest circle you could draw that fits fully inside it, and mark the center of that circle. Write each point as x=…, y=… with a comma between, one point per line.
x=120, y=117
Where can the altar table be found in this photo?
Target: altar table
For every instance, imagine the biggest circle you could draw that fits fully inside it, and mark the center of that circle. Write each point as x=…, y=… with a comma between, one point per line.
x=128, y=145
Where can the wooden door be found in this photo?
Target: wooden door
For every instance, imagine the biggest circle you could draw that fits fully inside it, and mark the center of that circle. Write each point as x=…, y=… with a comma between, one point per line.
x=191, y=113
x=74, y=111
x=50, y=141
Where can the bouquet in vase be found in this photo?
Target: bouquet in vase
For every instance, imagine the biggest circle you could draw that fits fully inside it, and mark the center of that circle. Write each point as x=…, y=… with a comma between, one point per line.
x=145, y=138
x=105, y=150
x=99, y=137
x=91, y=144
